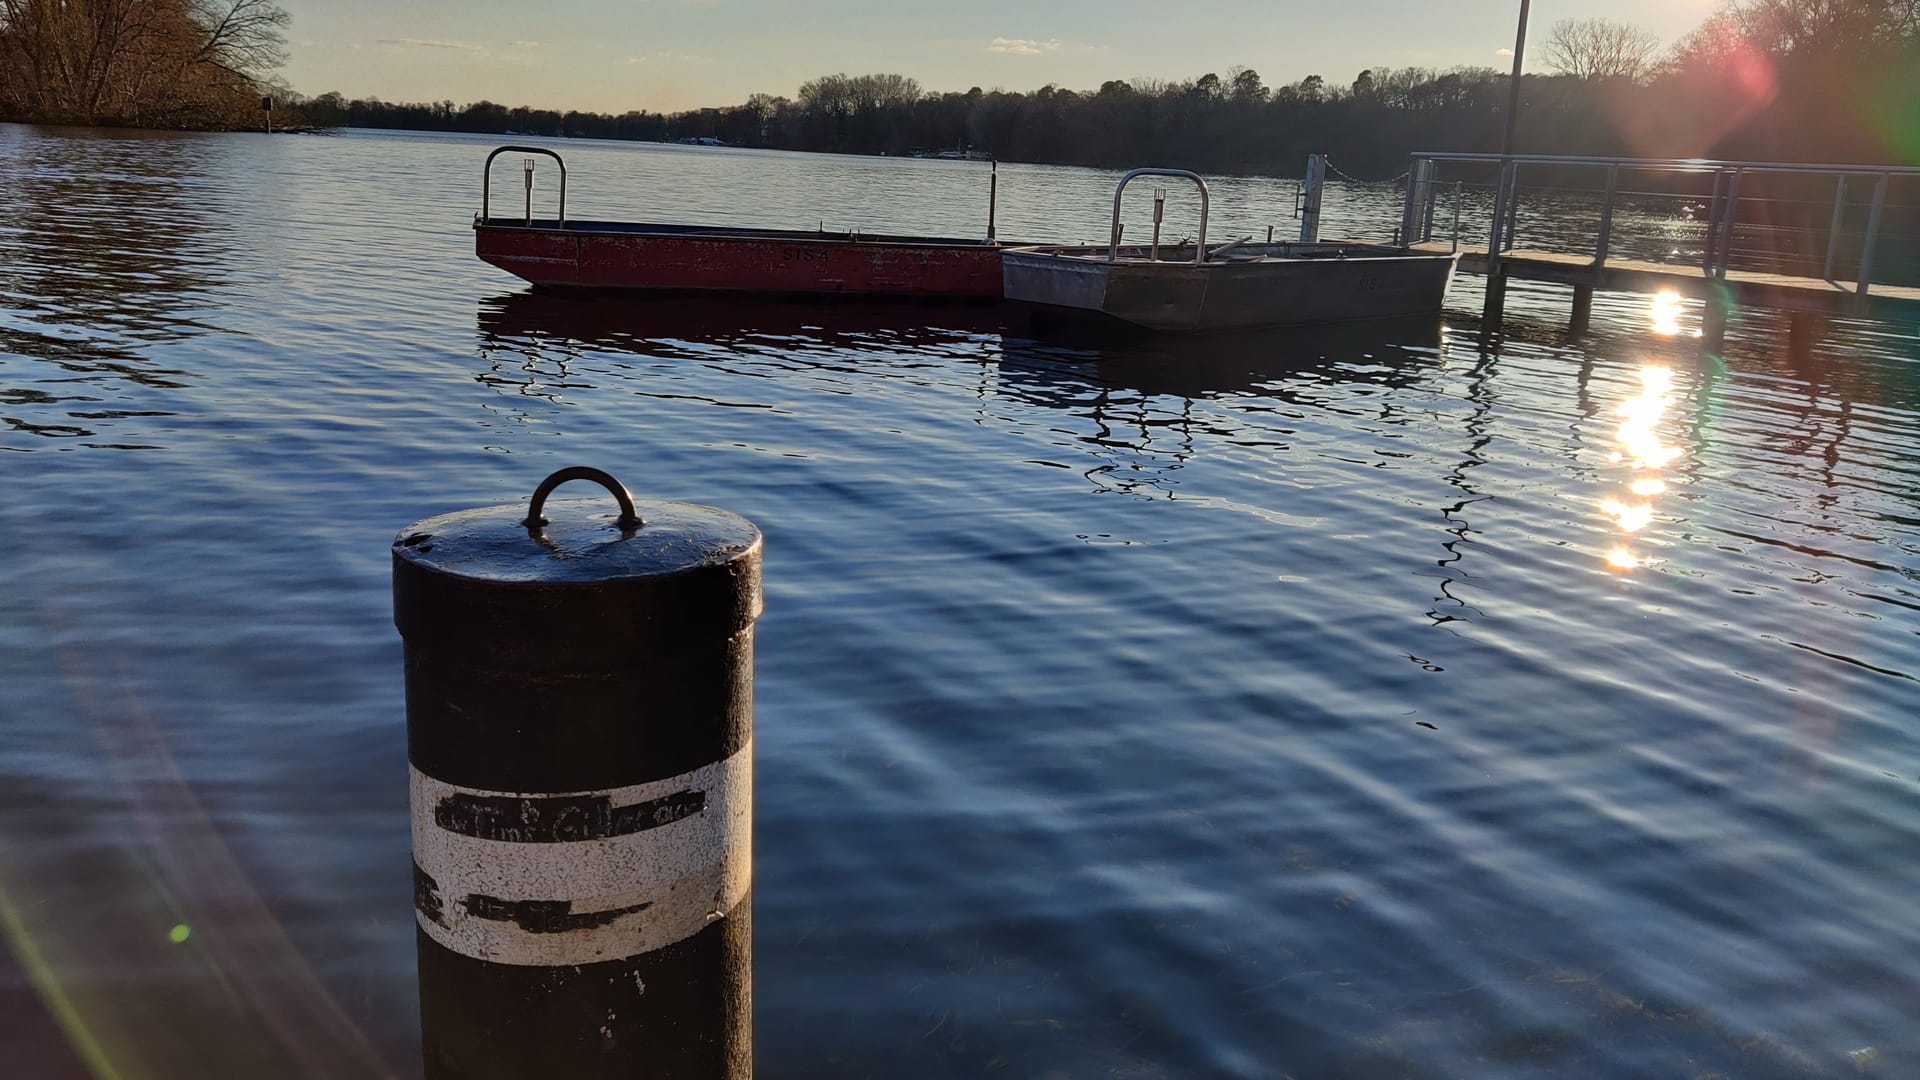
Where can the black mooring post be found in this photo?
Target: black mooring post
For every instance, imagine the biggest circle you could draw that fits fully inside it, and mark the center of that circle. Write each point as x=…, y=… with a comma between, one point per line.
x=579, y=681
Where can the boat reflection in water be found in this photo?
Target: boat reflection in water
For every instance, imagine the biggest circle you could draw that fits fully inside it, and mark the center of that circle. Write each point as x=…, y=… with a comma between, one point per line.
x=1032, y=353
x=628, y=321
x=1140, y=398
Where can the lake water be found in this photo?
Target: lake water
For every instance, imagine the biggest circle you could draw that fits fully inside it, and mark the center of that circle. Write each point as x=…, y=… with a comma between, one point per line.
x=1381, y=703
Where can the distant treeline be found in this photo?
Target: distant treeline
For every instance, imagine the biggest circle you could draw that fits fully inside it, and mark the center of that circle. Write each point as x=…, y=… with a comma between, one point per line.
x=144, y=63
x=1834, y=80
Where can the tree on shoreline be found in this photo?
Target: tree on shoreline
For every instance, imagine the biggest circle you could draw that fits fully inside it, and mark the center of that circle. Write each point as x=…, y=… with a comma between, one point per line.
x=149, y=63
x=1760, y=79
x=1601, y=49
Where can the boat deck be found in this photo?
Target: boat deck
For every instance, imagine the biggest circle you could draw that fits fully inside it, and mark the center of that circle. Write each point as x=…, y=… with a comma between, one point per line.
x=1237, y=286
x=728, y=232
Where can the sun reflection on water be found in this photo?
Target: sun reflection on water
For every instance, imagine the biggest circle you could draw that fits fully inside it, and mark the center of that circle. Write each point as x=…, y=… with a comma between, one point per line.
x=1666, y=312
x=1638, y=447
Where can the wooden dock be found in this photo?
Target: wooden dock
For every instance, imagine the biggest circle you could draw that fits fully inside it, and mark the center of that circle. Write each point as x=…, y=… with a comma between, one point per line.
x=1740, y=288
x=1756, y=211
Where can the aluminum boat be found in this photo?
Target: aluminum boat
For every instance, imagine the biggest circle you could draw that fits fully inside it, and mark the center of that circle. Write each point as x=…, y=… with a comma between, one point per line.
x=1233, y=286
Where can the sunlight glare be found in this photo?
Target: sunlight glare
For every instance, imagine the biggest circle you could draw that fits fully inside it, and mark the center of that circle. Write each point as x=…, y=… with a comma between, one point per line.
x=1640, y=449
x=1630, y=518
x=1666, y=313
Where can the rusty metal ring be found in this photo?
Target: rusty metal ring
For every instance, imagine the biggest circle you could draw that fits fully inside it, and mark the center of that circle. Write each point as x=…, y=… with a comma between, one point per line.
x=629, y=517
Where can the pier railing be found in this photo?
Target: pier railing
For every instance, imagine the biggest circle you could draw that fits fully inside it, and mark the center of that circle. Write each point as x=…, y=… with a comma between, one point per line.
x=1848, y=225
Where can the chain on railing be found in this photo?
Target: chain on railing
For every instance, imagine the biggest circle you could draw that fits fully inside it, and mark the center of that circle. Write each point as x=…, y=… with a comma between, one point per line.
x=1336, y=171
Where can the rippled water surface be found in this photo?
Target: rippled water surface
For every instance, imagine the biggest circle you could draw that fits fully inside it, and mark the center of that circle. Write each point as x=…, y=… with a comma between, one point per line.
x=1385, y=702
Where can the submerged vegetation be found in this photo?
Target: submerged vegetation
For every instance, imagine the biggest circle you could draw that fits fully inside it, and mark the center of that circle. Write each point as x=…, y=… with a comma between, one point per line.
x=143, y=63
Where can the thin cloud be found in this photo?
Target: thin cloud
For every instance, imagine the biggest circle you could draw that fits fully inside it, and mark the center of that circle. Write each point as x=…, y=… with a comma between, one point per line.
x=668, y=56
x=526, y=45
x=1022, y=47
x=1508, y=53
x=431, y=43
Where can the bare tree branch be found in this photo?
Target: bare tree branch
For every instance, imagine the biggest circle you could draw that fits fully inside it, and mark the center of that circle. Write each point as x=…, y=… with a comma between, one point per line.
x=1601, y=49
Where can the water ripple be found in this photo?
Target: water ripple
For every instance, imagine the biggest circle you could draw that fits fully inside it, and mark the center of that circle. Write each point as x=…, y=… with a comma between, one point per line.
x=1239, y=707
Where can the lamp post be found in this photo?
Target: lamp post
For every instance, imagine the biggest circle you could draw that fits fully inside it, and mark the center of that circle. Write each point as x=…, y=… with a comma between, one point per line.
x=1505, y=189
x=1513, y=85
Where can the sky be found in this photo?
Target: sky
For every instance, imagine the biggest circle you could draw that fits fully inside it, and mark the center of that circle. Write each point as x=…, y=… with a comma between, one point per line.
x=665, y=55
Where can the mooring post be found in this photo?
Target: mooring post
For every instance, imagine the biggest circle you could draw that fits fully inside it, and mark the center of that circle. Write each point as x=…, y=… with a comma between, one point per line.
x=993, y=199
x=1713, y=319
x=1804, y=328
x=1582, y=318
x=1316, y=187
x=1413, y=213
x=579, y=683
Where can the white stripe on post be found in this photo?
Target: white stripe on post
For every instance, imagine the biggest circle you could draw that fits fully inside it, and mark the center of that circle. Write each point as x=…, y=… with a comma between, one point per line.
x=555, y=880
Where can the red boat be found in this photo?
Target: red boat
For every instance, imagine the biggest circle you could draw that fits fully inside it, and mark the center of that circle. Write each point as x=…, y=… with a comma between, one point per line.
x=616, y=255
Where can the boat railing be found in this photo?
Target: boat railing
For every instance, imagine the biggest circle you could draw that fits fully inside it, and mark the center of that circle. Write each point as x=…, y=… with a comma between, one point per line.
x=486, y=183
x=1200, y=246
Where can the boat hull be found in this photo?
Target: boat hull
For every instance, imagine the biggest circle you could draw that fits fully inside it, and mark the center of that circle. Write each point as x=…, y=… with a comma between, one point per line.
x=617, y=256
x=1232, y=295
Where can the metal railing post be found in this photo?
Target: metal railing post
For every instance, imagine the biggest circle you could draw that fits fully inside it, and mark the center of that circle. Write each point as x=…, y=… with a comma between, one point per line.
x=1713, y=224
x=1732, y=215
x=1499, y=219
x=1459, y=201
x=1606, y=218
x=1873, y=236
x=1433, y=197
x=1513, y=208
x=1839, y=218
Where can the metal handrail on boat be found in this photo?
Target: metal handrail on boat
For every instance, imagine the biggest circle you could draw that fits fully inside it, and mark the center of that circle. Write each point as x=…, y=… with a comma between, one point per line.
x=486, y=182
x=1113, y=246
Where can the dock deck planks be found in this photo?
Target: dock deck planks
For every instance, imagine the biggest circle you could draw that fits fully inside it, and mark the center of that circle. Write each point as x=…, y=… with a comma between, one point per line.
x=1749, y=288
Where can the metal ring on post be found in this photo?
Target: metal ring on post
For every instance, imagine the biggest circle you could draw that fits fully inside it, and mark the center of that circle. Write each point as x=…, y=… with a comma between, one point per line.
x=629, y=517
